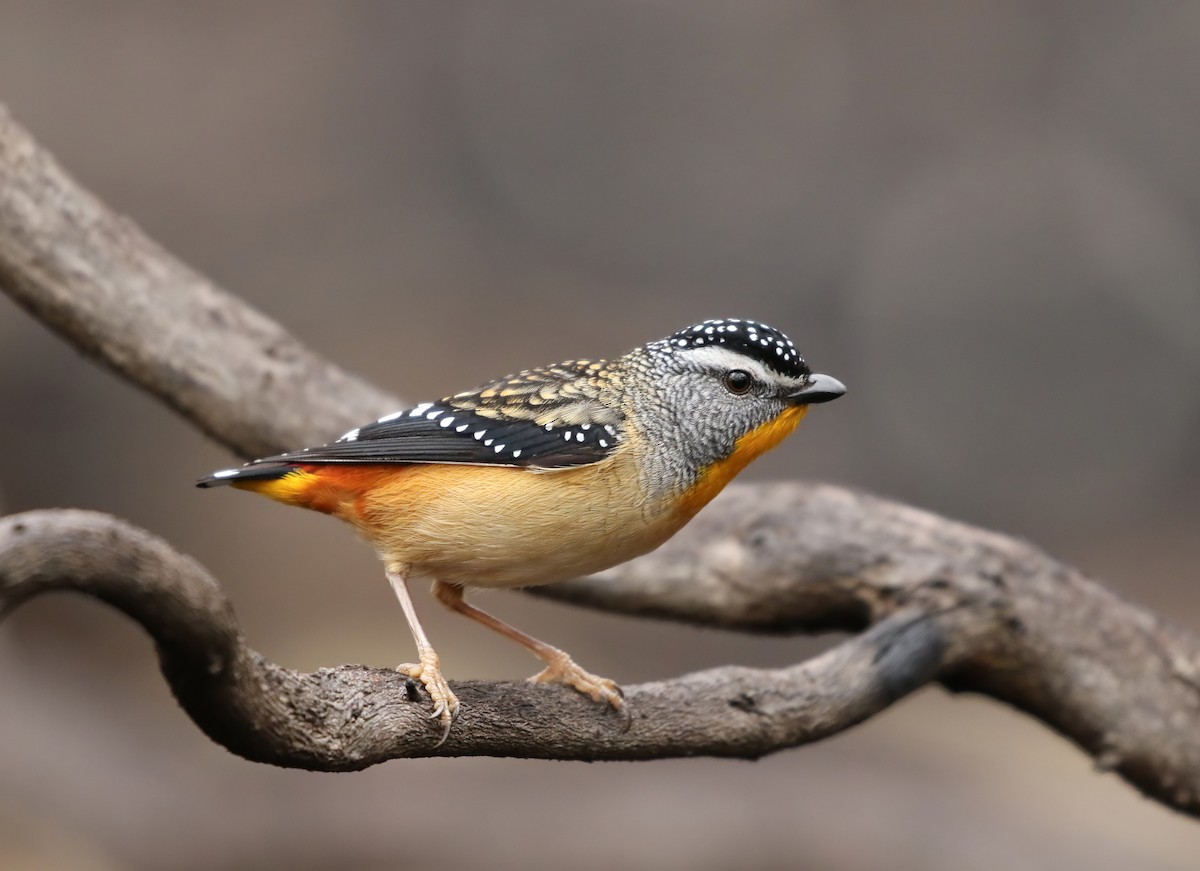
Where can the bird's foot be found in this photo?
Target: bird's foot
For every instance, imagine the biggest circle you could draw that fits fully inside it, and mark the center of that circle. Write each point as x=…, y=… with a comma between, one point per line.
x=445, y=704
x=599, y=689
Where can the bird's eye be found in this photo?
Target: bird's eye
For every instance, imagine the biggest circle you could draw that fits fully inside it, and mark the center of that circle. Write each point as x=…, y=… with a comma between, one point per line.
x=737, y=381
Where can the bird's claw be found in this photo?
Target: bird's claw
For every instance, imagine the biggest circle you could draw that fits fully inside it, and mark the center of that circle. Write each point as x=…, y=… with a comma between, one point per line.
x=445, y=704
x=598, y=689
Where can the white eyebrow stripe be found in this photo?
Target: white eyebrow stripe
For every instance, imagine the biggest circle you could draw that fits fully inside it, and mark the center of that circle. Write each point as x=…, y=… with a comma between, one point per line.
x=722, y=358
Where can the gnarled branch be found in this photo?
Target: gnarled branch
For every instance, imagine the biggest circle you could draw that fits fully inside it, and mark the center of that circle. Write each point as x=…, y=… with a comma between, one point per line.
x=933, y=600
x=351, y=717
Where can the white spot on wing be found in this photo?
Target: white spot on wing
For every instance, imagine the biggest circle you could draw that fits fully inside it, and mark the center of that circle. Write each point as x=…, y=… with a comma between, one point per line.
x=225, y=473
x=388, y=418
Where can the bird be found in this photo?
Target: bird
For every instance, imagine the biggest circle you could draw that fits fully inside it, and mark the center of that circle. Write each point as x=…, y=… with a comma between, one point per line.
x=549, y=474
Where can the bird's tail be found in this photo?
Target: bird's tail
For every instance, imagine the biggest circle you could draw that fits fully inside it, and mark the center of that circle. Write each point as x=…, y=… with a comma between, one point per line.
x=318, y=487
x=247, y=476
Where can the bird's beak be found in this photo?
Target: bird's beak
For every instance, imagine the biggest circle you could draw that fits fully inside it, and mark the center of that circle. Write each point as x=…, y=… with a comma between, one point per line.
x=820, y=388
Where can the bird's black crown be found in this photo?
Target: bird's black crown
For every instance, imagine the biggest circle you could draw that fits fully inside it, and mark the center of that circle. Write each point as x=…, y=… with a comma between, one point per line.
x=756, y=340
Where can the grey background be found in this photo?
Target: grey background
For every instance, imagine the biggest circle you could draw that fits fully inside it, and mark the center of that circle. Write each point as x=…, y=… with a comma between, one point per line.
x=980, y=215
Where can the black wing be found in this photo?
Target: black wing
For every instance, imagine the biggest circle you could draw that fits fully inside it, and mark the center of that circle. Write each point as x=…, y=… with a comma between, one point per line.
x=441, y=433
x=550, y=418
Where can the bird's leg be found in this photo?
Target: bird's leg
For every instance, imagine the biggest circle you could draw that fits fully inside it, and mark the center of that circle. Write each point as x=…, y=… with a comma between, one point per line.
x=428, y=670
x=560, y=668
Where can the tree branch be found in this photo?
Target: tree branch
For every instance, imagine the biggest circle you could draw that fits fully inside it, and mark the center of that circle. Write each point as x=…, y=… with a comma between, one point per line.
x=350, y=717
x=1019, y=626
x=110, y=291
x=933, y=600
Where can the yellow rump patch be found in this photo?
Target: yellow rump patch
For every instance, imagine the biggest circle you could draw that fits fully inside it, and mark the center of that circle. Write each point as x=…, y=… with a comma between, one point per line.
x=294, y=488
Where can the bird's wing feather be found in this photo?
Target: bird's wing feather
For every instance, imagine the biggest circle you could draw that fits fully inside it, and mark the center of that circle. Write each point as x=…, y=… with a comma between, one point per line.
x=549, y=418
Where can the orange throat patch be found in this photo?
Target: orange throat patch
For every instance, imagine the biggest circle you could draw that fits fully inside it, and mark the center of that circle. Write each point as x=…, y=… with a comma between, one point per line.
x=749, y=447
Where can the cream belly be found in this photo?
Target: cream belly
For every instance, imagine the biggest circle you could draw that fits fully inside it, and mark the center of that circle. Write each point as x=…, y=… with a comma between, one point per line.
x=506, y=527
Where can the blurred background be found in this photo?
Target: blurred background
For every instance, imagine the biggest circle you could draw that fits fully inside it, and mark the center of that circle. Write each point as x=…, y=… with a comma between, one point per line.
x=981, y=215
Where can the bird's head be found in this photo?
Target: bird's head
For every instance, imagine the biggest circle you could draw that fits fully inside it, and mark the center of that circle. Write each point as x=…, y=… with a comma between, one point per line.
x=723, y=391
